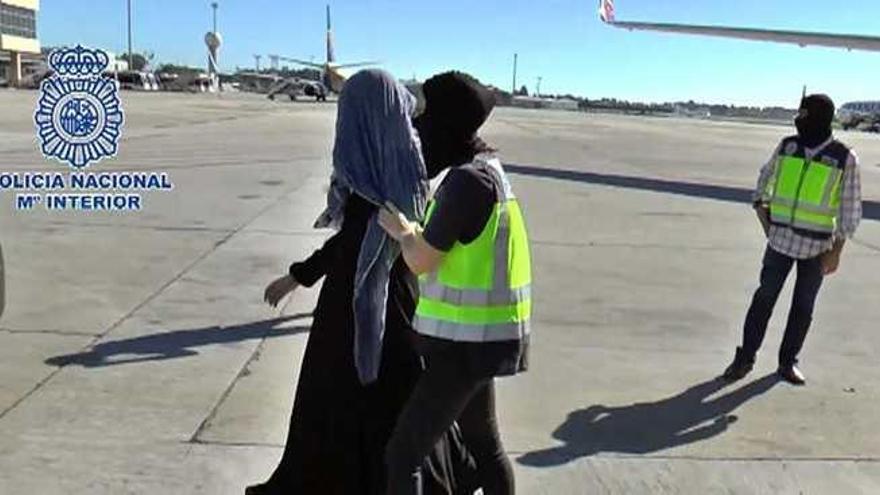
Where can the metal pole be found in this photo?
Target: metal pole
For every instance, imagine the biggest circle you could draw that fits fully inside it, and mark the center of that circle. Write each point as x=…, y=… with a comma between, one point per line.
x=214, y=6
x=130, y=53
x=213, y=51
x=514, y=73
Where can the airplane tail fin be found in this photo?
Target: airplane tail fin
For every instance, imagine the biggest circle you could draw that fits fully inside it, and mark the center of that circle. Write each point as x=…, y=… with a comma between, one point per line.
x=606, y=11
x=331, y=56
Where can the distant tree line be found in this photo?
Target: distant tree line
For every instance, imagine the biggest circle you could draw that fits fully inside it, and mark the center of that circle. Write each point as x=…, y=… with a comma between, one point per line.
x=179, y=69
x=688, y=107
x=622, y=105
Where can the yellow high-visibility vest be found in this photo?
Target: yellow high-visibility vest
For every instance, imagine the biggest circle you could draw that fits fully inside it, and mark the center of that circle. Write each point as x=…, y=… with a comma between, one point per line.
x=805, y=193
x=482, y=290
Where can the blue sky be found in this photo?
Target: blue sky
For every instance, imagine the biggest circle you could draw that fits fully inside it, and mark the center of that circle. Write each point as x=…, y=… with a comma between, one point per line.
x=561, y=41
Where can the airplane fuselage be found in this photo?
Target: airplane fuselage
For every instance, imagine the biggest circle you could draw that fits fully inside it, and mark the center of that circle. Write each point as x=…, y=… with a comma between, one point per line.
x=334, y=78
x=850, y=114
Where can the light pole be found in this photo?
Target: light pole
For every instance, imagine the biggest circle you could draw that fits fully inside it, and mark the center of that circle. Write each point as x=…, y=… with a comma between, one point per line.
x=130, y=59
x=214, y=40
x=513, y=92
x=214, y=6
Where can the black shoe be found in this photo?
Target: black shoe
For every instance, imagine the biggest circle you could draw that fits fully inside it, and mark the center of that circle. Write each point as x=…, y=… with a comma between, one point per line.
x=261, y=489
x=740, y=367
x=791, y=374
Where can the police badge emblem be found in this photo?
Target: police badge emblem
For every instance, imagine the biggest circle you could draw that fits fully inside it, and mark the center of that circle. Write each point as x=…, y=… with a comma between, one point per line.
x=79, y=115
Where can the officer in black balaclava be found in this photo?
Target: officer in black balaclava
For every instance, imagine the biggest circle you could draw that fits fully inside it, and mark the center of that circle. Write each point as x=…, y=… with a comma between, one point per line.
x=463, y=356
x=809, y=202
x=456, y=106
x=814, y=118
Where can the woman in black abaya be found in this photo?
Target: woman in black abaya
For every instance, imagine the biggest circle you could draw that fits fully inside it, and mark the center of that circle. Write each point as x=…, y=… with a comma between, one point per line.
x=354, y=379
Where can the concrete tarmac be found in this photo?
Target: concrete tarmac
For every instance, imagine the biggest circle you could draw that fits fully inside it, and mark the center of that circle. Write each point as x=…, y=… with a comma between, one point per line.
x=136, y=354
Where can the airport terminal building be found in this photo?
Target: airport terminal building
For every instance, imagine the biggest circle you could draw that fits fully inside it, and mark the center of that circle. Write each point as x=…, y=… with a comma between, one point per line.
x=18, y=37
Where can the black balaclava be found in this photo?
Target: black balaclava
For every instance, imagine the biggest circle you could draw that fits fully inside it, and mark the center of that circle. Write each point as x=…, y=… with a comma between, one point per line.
x=814, y=120
x=456, y=105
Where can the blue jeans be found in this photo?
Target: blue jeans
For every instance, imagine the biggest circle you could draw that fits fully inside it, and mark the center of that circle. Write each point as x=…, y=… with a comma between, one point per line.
x=773, y=274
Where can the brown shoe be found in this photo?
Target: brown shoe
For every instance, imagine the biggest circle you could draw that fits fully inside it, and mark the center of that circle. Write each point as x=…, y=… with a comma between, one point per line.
x=791, y=374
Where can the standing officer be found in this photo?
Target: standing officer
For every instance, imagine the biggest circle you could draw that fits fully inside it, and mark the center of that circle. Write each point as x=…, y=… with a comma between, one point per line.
x=809, y=202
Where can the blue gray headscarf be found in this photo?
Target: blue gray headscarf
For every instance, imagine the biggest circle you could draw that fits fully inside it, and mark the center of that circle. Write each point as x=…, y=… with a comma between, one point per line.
x=376, y=156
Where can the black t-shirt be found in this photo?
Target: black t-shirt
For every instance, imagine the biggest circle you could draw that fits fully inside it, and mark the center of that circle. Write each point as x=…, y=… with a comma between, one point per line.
x=465, y=201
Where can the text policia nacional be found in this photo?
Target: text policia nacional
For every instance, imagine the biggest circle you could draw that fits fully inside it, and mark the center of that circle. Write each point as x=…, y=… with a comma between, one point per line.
x=107, y=191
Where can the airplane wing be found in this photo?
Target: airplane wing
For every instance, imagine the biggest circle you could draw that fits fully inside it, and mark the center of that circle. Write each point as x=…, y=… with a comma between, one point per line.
x=800, y=38
x=257, y=75
x=302, y=62
x=352, y=66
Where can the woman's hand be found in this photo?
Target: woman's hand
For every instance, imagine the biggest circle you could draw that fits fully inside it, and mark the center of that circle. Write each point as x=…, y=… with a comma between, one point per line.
x=395, y=223
x=279, y=288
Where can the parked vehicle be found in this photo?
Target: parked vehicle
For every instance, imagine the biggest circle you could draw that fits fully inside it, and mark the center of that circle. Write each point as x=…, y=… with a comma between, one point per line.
x=136, y=80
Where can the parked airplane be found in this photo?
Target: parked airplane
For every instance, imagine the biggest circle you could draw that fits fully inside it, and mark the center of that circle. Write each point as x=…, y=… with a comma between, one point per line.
x=850, y=114
x=274, y=85
x=333, y=75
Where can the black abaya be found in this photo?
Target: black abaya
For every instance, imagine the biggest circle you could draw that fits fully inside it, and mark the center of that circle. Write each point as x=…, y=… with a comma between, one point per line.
x=338, y=427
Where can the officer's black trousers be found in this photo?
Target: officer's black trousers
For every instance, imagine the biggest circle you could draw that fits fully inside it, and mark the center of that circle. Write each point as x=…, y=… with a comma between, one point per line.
x=773, y=274
x=447, y=391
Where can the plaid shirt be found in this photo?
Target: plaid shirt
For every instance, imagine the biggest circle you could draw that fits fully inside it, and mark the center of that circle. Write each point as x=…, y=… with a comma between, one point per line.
x=785, y=240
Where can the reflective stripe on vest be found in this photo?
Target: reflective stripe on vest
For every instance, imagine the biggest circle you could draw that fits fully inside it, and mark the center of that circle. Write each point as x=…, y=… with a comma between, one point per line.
x=462, y=300
x=805, y=194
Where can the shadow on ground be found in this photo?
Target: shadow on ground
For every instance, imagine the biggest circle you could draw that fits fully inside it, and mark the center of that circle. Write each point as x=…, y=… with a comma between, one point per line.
x=176, y=344
x=871, y=209
x=648, y=427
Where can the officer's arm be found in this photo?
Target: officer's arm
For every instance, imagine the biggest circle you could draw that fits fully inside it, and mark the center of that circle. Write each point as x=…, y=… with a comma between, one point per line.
x=761, y=195
x=849, y=215
x=420, y=256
